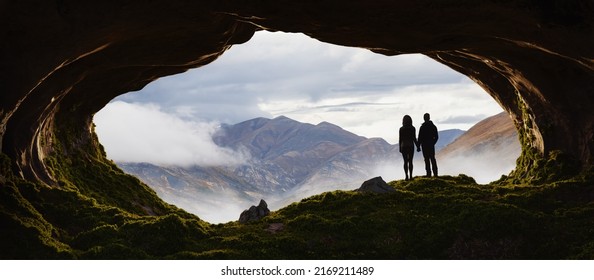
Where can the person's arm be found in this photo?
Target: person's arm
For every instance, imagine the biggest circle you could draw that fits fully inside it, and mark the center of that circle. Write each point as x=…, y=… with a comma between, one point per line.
x=415, y=139
x=420, y=139
x=436, y=135
x=400, y=140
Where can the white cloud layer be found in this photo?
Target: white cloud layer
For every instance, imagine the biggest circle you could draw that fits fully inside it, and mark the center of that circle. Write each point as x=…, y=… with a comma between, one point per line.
x=293, y=75
x=144, y=133
x=279, y=73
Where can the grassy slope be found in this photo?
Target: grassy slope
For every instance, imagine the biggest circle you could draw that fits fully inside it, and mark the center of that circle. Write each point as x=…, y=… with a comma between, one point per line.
x=445, y=218
x=428, y=218
x=97, y=211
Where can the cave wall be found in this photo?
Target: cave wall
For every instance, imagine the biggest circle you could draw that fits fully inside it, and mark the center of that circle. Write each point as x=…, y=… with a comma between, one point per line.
x=62, y=61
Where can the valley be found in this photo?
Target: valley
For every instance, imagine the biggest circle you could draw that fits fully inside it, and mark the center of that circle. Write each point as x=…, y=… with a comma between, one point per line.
x=290, y=160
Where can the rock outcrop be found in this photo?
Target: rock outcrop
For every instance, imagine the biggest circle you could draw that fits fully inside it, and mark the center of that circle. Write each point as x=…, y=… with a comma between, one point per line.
x=254, y=213
x=375, y=185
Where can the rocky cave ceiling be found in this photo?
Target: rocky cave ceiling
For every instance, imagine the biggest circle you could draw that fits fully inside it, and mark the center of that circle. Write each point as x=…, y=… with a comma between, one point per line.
x=62, y=61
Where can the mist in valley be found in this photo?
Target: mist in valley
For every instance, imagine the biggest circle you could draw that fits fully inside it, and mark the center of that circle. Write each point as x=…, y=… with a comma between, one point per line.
x=199, y=182
x=163, y=134
x=220, y=205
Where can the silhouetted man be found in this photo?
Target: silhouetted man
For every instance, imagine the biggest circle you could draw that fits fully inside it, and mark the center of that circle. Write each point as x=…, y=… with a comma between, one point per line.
x=427, y=139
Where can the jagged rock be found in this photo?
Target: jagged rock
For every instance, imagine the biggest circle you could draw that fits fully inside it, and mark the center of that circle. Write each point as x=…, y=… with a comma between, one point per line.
x=375, y=185
x=254, y=213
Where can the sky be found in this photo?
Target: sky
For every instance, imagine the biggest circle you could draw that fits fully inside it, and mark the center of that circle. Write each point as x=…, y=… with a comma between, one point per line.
x=171, y=120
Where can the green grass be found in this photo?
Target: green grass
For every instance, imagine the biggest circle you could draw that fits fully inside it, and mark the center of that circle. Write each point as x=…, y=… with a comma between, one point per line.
x=445, y=218
x=98, y=212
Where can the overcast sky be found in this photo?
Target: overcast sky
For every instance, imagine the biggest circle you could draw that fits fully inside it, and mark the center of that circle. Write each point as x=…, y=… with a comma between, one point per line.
x=293, y=75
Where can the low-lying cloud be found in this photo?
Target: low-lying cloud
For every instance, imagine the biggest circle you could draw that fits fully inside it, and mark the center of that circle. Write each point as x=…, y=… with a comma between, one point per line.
x=144, y=133
x=484, y=168
x=293, y=75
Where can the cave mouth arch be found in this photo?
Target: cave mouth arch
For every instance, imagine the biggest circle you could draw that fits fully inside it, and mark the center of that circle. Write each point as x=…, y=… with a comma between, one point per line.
x=541, y=74
x=348, y=86
x=61, y=61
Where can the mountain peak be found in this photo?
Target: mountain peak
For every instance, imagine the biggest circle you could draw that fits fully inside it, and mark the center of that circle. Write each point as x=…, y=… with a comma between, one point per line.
x=325, y=123
x=282, y=117
x=283, y=120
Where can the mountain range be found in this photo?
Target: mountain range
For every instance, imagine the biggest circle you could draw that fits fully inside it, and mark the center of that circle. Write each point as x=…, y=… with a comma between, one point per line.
x=288, y=160
x=489, y=148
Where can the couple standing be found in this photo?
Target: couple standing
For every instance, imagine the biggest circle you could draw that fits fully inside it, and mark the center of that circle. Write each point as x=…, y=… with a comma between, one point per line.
x=427, y=138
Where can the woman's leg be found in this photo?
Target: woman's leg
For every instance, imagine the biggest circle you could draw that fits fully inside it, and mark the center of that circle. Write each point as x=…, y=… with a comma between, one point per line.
x=404, y=155
x=408, y=164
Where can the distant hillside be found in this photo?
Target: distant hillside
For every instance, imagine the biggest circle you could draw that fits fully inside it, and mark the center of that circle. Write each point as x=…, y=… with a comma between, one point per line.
x=446, y=137
x=290, y=149
x=285, y=156
x=289, y=160
x=491, y=146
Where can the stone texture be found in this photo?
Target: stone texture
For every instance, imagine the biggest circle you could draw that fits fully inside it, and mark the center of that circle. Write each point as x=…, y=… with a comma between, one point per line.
x=375, y=185
x=62, y=61
x=254, y=213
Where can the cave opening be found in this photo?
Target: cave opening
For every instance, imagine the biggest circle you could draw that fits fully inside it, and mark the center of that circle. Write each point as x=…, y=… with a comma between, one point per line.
x=164, y=134
x=62, y=61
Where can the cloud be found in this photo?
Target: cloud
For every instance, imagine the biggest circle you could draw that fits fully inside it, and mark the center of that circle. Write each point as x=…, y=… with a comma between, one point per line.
x=464, y=119
x=144, y=133
x=279, y=73
x=271, y=69
x=484, y=168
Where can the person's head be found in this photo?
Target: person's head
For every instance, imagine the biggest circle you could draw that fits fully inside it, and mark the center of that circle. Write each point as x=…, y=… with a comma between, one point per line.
x=426, y=117
x=407, y=120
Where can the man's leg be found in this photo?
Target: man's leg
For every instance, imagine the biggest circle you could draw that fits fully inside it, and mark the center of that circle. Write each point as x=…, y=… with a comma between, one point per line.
x=427, y=157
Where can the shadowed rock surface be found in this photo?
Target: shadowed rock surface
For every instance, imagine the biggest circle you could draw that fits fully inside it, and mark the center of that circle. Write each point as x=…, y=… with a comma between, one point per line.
x=254, y=213
x=375, y=185
x=62, y=61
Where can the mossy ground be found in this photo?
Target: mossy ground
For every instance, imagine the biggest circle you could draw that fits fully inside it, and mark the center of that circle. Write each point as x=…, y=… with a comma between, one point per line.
x=426, y=218
x=95, y=211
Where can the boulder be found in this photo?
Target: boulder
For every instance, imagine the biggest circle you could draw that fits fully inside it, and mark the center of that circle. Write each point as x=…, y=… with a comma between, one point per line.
x=376, y=185
x=254, y=213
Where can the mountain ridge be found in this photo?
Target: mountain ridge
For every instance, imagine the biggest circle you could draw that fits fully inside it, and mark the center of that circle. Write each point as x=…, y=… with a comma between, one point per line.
x=289, y=160
x=281, y=134
x=490, y=146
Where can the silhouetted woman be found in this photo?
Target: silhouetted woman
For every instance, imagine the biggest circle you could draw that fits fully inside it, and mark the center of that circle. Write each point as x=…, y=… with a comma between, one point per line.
x=407, y=142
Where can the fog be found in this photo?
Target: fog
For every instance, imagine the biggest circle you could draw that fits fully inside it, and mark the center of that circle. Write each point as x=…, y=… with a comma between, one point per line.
x=484, y=168
x=227, y=206
x=224, y=205
x=144, y=133
x=171, y=121
x=219, y=207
